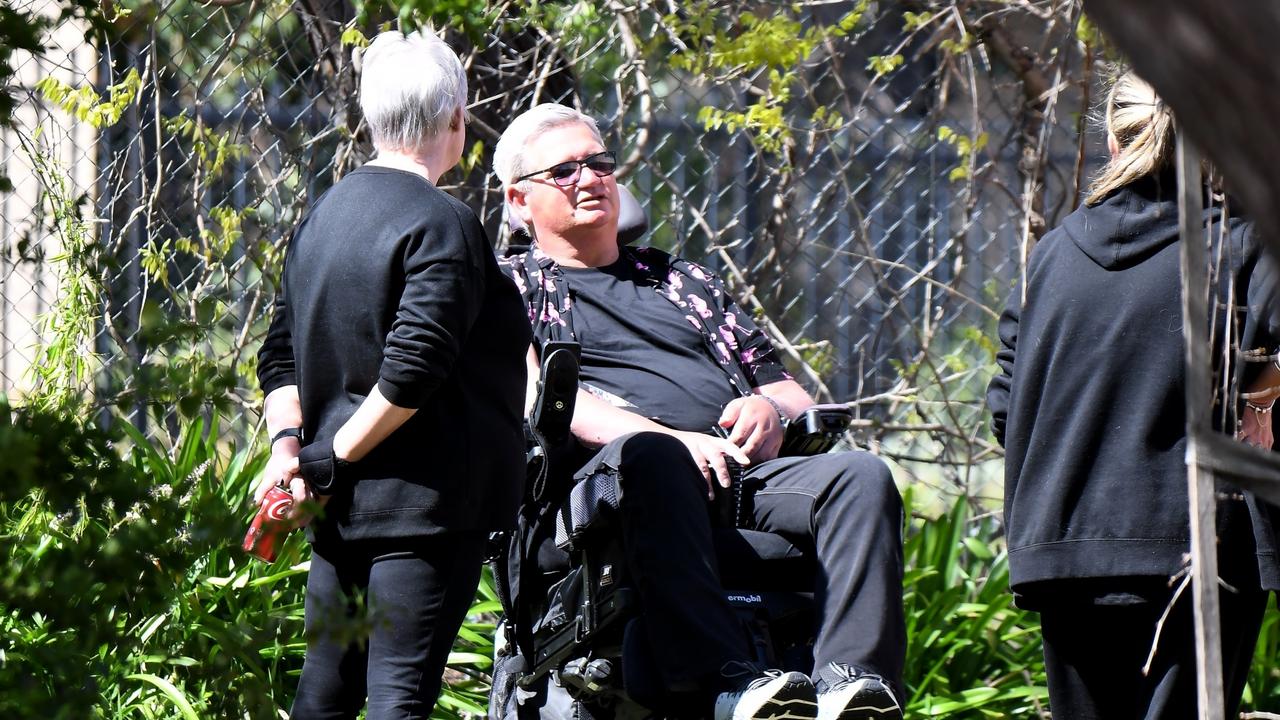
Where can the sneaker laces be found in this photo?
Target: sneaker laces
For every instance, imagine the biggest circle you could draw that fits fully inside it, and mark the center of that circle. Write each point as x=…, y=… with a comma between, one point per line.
x=838, y=673
x=744, y=676
x=739, y=670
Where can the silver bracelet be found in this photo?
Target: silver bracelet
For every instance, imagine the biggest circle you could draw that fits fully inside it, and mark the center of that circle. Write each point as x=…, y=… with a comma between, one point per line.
x=782, y=415
x=1260, y=409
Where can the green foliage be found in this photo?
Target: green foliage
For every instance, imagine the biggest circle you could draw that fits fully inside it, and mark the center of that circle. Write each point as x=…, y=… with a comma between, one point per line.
x=22, y=30
x=85, y=105
x=966, y=147
x=884, y=64
x=192, y=343
x=1263, y=688
x=213, y=149
x=67, y=362
x=473, y=17
x=726, y=46
x=764, y=119
x=970, y=652
x=112, y=602
x=912, y=21
x=125, y=591
x=1088, y=33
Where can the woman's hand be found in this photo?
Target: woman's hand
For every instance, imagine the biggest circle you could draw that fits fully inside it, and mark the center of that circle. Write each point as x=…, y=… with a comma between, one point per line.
x=1255, y=425
x=282, y=467
x=709, y=455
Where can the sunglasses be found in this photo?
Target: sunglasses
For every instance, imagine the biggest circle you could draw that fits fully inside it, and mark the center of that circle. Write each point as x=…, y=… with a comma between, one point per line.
x=567, y=173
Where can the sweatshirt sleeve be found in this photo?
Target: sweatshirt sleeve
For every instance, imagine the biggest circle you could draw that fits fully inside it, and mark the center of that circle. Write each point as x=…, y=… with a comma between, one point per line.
x=275, y=357
x=998, y=390
x=1263, y=294
x=443, y=293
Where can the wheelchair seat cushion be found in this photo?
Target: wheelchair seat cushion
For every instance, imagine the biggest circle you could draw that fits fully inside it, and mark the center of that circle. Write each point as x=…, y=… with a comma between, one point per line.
x=761, y=561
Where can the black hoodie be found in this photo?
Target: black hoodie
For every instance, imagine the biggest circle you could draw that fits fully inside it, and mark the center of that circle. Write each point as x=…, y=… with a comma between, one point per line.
x=1089, y=403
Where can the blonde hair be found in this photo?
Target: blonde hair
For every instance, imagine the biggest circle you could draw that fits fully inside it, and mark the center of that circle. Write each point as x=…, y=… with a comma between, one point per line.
x=1143, y=127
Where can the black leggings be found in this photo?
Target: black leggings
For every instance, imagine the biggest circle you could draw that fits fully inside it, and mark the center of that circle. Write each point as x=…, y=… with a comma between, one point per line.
x=381, y=617
x=1094, y=656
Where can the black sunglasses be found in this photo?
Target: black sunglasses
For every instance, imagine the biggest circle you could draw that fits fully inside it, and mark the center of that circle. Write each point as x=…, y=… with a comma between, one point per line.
x=567, y=173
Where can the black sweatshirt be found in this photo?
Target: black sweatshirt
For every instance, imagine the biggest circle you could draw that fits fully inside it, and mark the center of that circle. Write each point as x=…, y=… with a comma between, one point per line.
x=1089, y=403
x=390, y=281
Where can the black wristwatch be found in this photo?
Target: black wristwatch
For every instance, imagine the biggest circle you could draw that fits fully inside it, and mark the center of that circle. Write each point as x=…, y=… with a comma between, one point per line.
x=293, y=432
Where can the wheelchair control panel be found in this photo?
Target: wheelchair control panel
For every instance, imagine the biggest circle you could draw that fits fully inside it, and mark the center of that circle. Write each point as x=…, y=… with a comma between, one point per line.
x=816, y=430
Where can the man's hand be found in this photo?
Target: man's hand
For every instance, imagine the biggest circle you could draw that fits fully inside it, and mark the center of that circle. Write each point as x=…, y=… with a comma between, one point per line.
x=709, y=455
x=757, y=428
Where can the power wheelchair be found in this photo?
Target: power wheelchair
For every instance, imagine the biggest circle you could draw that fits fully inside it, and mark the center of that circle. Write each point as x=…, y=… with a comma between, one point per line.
x=572, y=644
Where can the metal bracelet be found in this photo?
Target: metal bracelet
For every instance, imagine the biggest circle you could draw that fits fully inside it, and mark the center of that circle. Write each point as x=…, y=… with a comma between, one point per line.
x=1260, y=409
x=782, y=415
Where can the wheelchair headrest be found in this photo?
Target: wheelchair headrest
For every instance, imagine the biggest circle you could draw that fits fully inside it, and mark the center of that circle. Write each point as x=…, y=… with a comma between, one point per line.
x=632, y=223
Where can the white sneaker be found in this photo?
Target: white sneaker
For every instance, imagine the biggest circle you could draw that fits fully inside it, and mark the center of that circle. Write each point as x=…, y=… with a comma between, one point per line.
x=774, y=695
x=857, y=695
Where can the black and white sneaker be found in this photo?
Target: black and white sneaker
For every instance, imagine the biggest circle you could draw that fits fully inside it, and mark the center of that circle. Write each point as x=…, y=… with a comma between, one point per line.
x=771, y=695
x=856, y=694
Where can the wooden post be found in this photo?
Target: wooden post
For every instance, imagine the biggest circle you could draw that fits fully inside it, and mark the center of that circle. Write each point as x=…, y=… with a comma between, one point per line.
x=1200, y=480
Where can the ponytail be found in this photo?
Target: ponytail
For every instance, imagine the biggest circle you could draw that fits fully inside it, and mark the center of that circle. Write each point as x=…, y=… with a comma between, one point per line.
x=1143, y=128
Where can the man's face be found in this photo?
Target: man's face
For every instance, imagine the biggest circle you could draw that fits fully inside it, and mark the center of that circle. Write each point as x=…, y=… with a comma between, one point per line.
x=585, y=210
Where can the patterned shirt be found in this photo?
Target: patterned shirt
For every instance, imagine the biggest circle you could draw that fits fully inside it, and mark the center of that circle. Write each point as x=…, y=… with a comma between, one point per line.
x=732, y=338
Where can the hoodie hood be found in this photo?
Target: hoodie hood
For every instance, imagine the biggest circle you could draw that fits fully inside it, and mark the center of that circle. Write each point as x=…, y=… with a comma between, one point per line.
x=1129, y=225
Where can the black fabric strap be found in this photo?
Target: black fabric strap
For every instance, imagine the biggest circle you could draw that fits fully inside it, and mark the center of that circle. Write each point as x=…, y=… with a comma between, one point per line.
x=294, y=432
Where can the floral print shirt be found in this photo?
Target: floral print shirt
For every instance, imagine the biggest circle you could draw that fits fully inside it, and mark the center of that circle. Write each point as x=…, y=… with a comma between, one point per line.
x=732, y=338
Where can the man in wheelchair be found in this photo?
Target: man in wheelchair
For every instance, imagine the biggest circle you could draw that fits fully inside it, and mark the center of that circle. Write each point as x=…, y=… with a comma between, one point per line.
x=679, y=394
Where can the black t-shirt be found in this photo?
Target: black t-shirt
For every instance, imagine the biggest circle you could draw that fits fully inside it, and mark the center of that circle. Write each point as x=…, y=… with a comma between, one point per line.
x=639, y=348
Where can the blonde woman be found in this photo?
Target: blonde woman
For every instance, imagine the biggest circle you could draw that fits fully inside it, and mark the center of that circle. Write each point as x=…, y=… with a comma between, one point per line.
x=1089, y=404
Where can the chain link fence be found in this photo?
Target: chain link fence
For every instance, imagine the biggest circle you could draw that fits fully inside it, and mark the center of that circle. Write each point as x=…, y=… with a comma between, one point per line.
x=866, y=176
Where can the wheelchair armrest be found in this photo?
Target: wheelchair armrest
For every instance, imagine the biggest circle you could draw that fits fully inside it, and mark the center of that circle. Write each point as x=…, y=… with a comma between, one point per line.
x=557, y=392
x=816, y=430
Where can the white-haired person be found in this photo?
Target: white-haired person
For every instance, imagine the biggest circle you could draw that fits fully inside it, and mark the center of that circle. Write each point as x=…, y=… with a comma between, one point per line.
x=667, y=354
x=394, y=376
x=1089, y=404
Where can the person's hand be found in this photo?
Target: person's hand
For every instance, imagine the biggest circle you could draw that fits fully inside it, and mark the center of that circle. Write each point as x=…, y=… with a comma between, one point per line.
x=757, y=428
x=306, y=504
x=709, y=455
x=1255, y=426
x=282, y=466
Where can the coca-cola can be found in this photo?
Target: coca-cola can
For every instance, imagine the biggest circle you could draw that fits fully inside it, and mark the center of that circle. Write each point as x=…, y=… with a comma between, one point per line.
x=270, y=525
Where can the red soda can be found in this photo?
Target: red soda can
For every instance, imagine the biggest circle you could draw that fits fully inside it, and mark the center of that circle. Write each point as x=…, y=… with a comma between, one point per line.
x=270, y=524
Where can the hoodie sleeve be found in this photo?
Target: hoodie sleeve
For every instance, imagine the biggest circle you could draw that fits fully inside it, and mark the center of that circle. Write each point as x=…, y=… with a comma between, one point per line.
x=1263, y=296
x=998, y=390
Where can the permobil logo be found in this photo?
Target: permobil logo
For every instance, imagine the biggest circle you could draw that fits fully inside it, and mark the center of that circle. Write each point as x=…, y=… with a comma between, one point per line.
x=745, y=598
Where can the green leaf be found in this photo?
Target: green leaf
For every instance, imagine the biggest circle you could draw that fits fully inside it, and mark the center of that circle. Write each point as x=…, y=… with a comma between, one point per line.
x=170, y=691
x=979, y=549
x=884, y=64
x=351, y=36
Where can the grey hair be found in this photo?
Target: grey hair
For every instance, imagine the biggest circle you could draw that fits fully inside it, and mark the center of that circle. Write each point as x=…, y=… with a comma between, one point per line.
x=410, y=88
x=508, y=156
